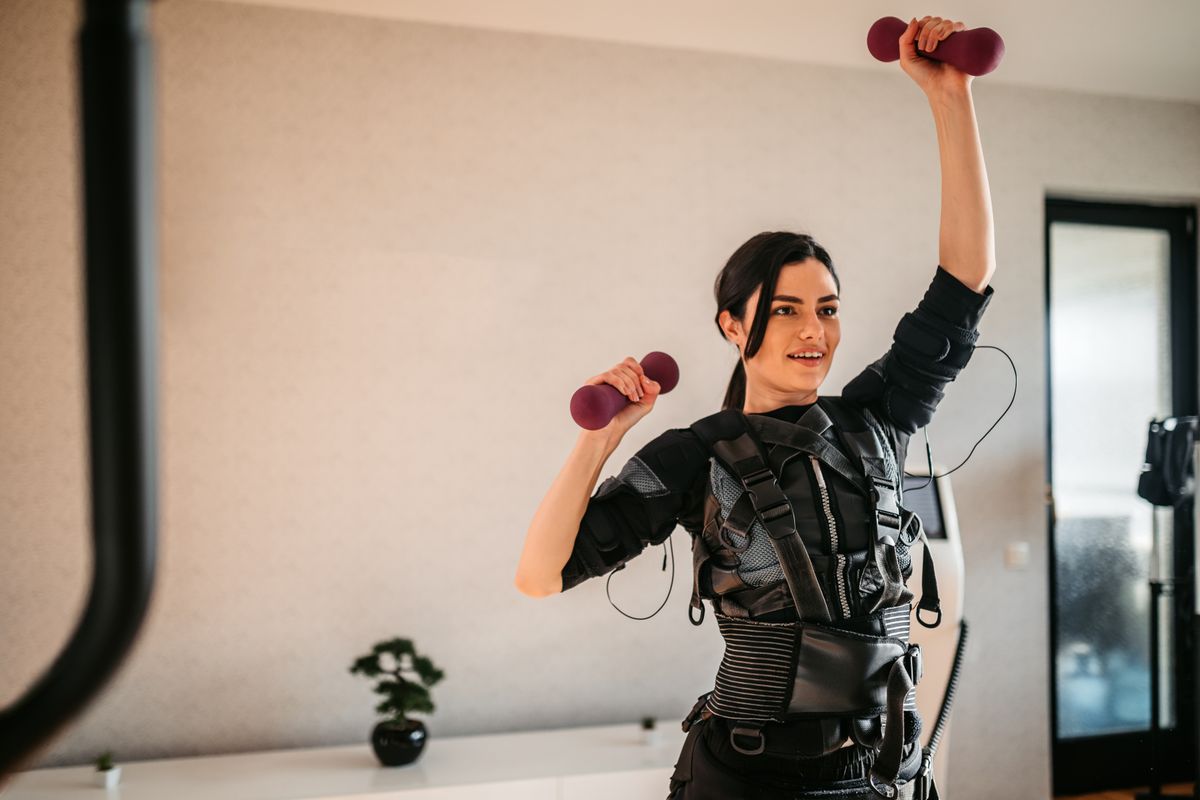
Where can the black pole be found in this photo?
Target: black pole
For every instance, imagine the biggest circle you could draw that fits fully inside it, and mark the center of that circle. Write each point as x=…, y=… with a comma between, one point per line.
x=114, y=68
x=1195, y=611
x=1159, y=588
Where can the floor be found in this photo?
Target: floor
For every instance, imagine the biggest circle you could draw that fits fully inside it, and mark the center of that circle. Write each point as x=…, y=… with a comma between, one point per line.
x=1184, y=789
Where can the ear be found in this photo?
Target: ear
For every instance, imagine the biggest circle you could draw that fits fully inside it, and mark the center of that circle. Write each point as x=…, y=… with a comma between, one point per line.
x=732, y=328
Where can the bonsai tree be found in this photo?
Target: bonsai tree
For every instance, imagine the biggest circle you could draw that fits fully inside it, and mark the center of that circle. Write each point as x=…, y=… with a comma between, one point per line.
x=388, y=661
x=105, y=761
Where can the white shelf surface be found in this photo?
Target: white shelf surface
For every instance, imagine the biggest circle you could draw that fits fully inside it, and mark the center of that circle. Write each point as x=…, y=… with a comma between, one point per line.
x=551, y=764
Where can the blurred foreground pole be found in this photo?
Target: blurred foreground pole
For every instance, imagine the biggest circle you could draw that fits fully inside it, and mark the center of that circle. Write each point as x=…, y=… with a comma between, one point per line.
x=117, y=127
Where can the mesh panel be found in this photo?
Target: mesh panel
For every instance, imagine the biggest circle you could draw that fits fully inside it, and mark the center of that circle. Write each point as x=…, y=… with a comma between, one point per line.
x=760, y=564
x=638, y=476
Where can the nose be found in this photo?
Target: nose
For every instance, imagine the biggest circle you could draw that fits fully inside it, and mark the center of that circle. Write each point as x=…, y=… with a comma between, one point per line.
x=810, y=327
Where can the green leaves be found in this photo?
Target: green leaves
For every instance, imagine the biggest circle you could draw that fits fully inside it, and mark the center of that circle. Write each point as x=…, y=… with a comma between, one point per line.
x=390, y=659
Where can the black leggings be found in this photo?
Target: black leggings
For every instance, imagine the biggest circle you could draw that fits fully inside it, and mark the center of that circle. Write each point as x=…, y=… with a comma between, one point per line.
x=710, y=769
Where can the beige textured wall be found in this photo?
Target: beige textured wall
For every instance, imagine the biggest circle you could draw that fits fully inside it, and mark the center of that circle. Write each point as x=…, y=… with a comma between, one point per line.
x=390, y=253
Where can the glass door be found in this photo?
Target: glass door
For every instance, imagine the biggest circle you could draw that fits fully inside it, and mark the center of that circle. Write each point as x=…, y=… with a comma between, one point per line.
x=1121, y=350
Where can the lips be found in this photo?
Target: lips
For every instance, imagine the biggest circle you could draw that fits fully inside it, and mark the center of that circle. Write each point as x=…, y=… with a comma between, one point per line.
x=808, y=362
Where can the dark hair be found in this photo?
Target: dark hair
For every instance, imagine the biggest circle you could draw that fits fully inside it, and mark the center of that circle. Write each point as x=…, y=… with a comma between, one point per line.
x=755, y=263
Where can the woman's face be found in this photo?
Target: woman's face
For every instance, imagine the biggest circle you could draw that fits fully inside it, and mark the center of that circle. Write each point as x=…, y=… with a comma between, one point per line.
x=804, y=319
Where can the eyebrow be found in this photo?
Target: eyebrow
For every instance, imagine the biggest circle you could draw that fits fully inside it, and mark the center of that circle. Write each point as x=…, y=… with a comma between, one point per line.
x=789, y=298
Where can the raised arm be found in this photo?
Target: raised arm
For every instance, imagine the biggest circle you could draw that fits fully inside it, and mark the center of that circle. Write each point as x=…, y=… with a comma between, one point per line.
x=575, y=538
x=551, y=534
x=934, y=342
x=966, y=245
x=550, y=540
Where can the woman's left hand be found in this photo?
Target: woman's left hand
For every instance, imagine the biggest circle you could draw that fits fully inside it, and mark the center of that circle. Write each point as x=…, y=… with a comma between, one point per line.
x=934, y=77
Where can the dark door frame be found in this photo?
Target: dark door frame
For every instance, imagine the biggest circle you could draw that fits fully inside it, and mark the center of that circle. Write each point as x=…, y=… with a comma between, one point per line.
x=1121, y=760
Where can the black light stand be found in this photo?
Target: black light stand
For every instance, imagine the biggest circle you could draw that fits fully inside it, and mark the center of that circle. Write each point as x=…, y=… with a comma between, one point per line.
x=1160, y=587
x=1196, y=612
x=1167, y=480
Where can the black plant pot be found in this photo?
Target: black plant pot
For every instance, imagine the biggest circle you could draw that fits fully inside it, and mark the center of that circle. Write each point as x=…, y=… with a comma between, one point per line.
x=398, y=743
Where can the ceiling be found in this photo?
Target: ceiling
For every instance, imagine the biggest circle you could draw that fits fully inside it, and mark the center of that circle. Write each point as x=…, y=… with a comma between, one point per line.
x=1149, y=49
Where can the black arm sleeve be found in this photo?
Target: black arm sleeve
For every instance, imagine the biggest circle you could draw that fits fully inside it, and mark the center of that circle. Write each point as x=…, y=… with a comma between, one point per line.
x=659, y=487
x=931, y=345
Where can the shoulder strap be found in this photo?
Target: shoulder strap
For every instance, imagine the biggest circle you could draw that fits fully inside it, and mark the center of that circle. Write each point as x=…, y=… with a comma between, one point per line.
x=868, y=445
x=864, y=448
x=728, y=436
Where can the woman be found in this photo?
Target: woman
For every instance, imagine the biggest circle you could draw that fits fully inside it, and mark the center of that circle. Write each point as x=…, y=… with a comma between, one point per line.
x=835, y=566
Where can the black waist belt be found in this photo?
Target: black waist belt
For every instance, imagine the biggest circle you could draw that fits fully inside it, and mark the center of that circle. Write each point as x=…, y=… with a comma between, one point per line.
x=793, y=670
x=825, y=684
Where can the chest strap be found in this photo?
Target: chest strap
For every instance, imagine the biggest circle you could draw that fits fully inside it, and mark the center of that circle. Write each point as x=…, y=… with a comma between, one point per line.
x=727, y=435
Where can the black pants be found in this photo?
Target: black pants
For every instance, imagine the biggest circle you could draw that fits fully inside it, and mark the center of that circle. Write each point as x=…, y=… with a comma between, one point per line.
x=709, y=769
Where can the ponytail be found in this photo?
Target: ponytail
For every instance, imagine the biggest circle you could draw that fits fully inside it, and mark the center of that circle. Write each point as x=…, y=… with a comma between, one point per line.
x=735, y=395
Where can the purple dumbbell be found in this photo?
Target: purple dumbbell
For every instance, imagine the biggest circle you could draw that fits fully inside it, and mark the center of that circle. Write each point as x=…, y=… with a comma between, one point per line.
x=976, y=52
x=593, y=406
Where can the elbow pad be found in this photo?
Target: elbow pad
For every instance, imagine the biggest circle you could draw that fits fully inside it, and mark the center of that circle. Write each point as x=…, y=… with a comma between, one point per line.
x=935, y=343
x=639, y=506
x=927, y=354
x=931, y=345
x=907, y=382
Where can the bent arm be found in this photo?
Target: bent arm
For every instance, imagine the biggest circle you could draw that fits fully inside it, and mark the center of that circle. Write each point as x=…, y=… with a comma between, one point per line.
x=551, y=535
x=967, y=247
x=930, y=347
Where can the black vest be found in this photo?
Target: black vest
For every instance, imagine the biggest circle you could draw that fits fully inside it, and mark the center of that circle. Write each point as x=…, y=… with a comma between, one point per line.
x=825, y=490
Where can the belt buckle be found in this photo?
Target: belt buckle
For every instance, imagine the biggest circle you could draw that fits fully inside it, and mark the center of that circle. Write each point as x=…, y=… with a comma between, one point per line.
x=698, y=713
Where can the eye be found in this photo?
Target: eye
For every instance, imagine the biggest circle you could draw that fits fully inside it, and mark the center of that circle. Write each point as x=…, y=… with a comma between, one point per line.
x=832, y=309
x=784, y=308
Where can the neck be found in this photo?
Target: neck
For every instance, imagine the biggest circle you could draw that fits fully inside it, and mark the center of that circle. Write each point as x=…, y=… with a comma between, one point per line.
x=762, y=402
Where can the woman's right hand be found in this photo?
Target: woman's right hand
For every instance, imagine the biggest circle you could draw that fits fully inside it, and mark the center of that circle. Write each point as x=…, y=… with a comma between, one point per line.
x=629, y=379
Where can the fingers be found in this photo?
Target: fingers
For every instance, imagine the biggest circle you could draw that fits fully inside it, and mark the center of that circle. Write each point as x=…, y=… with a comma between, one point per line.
x=628, y=378
x=931, y=30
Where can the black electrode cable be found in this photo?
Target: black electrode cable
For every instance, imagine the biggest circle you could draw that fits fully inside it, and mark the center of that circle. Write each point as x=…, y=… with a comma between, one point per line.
x=929, y=459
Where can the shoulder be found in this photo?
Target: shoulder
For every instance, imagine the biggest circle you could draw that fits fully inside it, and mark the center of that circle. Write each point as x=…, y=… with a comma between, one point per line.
x=846, y=413
x=858, y=416
x=675, y=455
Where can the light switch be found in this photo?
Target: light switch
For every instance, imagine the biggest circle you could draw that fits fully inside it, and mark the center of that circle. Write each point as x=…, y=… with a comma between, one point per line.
x=1016, y=555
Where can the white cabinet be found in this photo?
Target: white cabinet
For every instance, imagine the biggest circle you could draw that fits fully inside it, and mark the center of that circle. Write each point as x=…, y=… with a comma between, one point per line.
x=568, y=764
x=649, y=783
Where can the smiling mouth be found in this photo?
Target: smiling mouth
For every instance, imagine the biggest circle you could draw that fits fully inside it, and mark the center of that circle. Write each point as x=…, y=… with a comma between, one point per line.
x=808, y=362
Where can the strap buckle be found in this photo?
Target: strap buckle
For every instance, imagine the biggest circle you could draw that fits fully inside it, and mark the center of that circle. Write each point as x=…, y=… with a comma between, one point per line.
x=747, y=730
x=881, y=788
x=697, y=712
x=934, y=608
x=757, y=474
x=912, y=529
x=924, y=778
x=887, y=511
x=768, y=497
x=914, y=663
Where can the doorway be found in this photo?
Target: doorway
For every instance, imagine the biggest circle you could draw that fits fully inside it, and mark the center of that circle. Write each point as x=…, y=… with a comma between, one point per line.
x=1120, y=350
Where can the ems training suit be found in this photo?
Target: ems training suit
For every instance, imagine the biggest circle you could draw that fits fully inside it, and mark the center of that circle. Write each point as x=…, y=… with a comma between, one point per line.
x=832, y=462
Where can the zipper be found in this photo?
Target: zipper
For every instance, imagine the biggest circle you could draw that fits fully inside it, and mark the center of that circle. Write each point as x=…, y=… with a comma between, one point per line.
x=833, y=537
